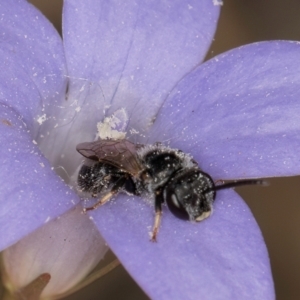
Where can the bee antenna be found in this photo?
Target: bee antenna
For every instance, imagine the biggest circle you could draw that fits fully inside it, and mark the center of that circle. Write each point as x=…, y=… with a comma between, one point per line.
x=240, y=183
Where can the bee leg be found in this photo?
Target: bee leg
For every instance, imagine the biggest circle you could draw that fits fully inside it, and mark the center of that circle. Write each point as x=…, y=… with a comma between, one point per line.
x=157, y=218
x=115, y=189
x=100, y=202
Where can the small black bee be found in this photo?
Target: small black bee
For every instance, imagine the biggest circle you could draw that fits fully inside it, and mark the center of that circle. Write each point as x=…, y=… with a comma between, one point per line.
x=153, y=171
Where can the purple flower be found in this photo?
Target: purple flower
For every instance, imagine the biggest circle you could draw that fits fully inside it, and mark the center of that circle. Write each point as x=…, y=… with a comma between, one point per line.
x=236, y=114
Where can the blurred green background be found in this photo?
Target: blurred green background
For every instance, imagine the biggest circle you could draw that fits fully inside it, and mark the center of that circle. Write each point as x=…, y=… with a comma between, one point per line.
x=277, y=208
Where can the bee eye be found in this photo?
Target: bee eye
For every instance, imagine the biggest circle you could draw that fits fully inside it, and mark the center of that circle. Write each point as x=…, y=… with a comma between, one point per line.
x=176, y=207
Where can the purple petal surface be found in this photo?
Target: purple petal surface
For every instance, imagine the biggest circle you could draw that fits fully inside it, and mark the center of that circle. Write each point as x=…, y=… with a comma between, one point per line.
x=32, y=64
x=32, y=60
x=238, y=114
x=223, y=257
x=133, y=52
x=31, y=193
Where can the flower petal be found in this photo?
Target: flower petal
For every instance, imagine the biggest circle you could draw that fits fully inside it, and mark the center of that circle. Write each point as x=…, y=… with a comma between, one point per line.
x=133, y=52
x=31, y=60
x=238, y=114
x=32, y=77
x=31, y=193
x=223, y=255
x=67, y=248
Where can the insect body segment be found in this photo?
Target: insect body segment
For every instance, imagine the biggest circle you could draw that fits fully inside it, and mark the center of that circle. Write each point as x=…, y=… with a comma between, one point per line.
x=190, y=195
x=102, y=177
x=154, y=171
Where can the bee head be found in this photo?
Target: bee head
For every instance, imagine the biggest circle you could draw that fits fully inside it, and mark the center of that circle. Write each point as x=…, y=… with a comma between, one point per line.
x=190, y=195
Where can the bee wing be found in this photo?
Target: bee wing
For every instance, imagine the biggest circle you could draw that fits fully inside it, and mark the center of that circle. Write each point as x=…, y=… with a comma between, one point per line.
x=119, y=153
